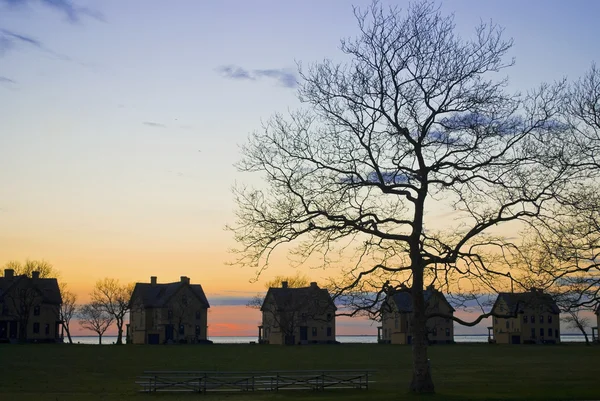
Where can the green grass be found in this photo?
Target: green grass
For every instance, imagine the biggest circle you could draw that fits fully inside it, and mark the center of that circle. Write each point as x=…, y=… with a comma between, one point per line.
x=460, y=372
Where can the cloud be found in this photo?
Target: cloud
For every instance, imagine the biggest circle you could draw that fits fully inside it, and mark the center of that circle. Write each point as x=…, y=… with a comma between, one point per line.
x=66, y=7
x=10, y=40
x=153, y=124
x=283, y=76
x=7, y=81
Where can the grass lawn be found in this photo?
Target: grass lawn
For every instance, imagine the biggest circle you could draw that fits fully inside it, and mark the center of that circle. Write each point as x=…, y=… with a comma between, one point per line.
x=461, y=372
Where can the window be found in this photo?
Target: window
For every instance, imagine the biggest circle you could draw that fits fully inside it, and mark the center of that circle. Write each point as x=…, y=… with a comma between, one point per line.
x=447, y=332
x=198, y=315
x=496, y=320
x=532, y=332
x=549, y=318
x=36, y=328
x=170, y=314
x=524, y=318
x=36, y=310
x=541, y=318
x=197, y=330
x=329, y=317
x=47, y=329
x=181, y=329
x=532, y=319
x=314, y=331
x=550, y=332
x=541, y=332
x=507, y=324
x=329, y=331
x=435, y=331
x=396, y=323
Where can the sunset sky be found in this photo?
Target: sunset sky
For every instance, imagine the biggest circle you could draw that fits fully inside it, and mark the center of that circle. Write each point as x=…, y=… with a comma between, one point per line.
x=120, y=122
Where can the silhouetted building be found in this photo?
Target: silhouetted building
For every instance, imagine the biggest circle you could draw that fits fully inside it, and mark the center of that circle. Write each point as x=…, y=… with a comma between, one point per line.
x=303, y=315
x=29, y=308
x=532, y=317
x=167, y=313
x=396, y=318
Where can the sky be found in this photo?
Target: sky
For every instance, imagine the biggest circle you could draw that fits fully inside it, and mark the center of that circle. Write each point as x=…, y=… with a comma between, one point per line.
x=121, y=121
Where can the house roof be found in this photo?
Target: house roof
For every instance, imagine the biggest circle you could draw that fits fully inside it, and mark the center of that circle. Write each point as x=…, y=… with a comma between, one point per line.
x=47, y=287
x=296, y=298
x=157, y=295
x=404, y=302
x=517, y=302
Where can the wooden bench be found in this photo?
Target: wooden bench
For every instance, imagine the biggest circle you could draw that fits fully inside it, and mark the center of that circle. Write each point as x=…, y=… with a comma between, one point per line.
x=203, y=381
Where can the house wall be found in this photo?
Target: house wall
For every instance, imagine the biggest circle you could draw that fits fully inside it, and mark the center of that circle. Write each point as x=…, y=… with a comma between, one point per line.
x=535, y=324
x=397, y=326
x=40, y=327
x=317, y=324
x=184, y=313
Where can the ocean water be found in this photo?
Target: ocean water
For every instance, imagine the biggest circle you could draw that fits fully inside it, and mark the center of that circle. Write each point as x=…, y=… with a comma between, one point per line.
x=481, y=338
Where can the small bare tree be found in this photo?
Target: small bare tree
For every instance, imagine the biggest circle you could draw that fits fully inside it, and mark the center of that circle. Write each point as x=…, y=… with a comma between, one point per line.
x=67, y=309
x=114, y=298
x=575, y=320
x=94, y=317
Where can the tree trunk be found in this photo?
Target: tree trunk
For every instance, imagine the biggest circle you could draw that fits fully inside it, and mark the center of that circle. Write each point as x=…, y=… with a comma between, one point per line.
x=422, y=381
x=580, y=326
x=100, y=339
x=120, y=331
x=66, y=327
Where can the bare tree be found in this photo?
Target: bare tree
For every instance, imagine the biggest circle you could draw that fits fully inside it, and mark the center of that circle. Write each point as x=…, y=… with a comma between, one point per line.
x=21, y=303
x=114, y=299
x=575, y=320
x=94, y=317
x=412, y=128
x=67, y=309
x=44, y=268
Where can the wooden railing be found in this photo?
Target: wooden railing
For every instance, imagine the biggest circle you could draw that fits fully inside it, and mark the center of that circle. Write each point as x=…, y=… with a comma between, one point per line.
x=172, y=381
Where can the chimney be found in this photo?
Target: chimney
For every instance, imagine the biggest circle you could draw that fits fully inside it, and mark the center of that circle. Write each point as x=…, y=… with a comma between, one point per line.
x=313, y=284
x=153, y=280
x=284, y=284
x=9, y=273
x=185, y=279
x=35, y=275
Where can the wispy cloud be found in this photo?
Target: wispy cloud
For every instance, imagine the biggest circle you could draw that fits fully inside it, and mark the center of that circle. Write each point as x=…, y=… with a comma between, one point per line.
x=284, y=77
x=153, y=124
x=10, y=40
x=66, y=7
x=7, y=80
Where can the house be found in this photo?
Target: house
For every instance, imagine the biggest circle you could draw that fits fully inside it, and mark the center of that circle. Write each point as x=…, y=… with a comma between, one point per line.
x=530, y=317
x=29, y=308
x=396, y=318
x=297, y=316
x=167, y=313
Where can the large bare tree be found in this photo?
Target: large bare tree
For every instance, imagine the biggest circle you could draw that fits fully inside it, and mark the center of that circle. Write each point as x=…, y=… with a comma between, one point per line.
x=114, y=298
x=404, y=163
